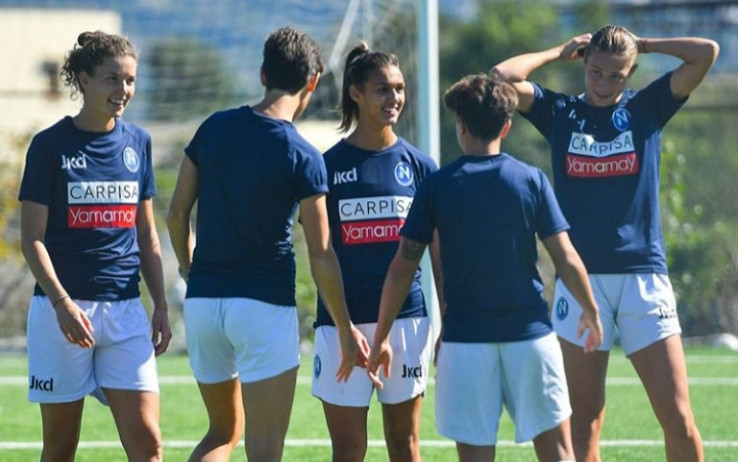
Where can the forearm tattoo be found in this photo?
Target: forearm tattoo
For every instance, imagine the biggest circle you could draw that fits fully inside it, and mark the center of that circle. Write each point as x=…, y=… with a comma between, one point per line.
x=412, y=250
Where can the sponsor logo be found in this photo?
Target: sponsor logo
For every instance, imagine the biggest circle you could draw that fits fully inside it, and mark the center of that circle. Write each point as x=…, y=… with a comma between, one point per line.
x=350, y=176
x=317, y=367
x=110, y=216
x=404, y=174
x=34, y=383
x=369, y=232
x=587, y=167
x=131, y=159
x=562, y=308
x=363, y=208
x=667, y=313
x=621, y=119
x=74, y=162
x=585, y=145
x=102, y=192
x=412, y=372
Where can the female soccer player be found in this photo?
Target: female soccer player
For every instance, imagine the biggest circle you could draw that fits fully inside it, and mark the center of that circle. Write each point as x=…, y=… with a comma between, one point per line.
x=605, y=146
x=374, y=175
x=249, y=169
x=87, y=227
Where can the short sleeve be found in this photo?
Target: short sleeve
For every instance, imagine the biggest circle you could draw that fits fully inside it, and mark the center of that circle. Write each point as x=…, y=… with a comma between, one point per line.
x=38, y=176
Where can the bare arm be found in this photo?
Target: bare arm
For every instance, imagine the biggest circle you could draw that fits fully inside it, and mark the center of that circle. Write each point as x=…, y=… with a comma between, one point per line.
x=178, y=216
x=516, y=70
x=572, y=272
x=73, y=323
x=698, y=56
x=394, y=291
x=153, y=275
x=326, y=272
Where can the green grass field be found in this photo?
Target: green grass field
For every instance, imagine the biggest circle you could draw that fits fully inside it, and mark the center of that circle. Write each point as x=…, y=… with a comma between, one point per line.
x=631, y=432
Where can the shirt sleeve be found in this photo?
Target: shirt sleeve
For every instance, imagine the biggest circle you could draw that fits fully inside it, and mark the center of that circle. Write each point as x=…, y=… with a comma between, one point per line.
x=38, y=175
x=550, y=219
x=419, y=225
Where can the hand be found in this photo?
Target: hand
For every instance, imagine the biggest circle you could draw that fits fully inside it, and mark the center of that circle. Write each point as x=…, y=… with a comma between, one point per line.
x=161, y=332
x=350, y=352
x=436, y=349
x=74, y=324
x=381, y=356
x=594, y=337
x=570, y=49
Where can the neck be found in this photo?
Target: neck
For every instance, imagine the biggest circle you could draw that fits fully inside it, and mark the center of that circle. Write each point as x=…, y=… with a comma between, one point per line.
x=475, y=147
x=89, y=123
x=279, y=105
x=372, y=139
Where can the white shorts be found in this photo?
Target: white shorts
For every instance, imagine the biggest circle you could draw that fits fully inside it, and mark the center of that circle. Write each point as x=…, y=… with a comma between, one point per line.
x=410, y=339
x=639, y=307
x=122, y=358
x=475, y=380
x=240, y=337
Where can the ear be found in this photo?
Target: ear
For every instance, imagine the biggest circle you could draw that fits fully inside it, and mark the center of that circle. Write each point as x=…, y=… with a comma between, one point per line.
x=632, y=70
x=313, y=82
x=505, y=129
x=461, y=126
x=84, y=79
x=354, y=93
x=262, y=77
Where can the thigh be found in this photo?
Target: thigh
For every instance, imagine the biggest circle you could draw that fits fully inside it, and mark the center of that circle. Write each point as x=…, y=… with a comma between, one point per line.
x=224, y=405
x=136, y=415
x=124, y=356
x=469, y=397
x=268, y=404
x=58, y=371
x=534, y=384
x=265, y=337
x=402, y=420
x=210, y=354
x=566, y=312
x=663, y=371
x=356, y=392
x=347, y=425
x=647, y=311
x=61, y=424
x=411, y=344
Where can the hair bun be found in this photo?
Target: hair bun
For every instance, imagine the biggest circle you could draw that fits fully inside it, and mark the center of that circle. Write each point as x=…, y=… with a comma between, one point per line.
x=83, y=38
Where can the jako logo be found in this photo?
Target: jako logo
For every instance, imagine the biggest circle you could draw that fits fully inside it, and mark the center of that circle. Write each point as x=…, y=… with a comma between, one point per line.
x=345, y=177
x=42, y=385
x=69, y=163
x=412, y=372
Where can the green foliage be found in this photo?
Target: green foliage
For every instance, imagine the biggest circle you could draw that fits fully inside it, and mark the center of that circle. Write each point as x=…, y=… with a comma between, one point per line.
x=189, y=78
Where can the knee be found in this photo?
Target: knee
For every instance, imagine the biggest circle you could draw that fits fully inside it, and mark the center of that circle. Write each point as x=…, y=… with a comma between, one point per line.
x=146, y=445
x=681, y=427
x=59, y=453
x=348, y=451
x=402, y=448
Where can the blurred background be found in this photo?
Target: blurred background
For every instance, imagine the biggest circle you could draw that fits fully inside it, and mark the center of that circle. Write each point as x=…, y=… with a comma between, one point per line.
x=198, y=56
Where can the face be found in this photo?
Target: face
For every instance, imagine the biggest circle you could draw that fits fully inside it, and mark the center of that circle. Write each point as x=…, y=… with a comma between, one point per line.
x=605, y=77
x=109, y=90
x=382, y=98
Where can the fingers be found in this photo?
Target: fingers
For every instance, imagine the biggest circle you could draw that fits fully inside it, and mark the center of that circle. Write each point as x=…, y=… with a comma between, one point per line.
x=345, y=369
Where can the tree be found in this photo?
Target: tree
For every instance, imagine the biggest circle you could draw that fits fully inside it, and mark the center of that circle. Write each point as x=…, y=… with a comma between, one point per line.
x=188, y=79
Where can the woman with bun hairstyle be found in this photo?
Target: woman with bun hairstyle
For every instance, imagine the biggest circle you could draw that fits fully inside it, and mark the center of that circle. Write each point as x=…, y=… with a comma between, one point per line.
x=605, y=151
x=87, y=231
x=373, y=175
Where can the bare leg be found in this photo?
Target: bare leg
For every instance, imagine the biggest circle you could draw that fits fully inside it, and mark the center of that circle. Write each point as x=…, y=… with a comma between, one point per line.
x=585, y=374
x=402, y=429
x=225, y=414
x=61, y=424
x=555, y=444
x=136, y=415
x=663, y=371
x=347, y=427
x=470, y=453
x=268, y=404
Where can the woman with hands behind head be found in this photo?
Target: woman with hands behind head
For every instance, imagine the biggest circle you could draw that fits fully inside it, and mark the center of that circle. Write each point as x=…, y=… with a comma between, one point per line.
x=605, y=149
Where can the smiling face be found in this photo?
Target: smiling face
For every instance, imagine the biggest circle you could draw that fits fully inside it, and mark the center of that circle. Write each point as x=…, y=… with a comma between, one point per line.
x=108, y=90
x=382, y=97
x=605, y=77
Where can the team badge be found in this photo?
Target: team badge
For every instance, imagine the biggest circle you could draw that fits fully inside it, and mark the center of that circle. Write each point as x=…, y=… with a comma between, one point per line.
x=131, y=160
x=404, y=174
x=621, y=119
x=317, y=366
x=562, y=308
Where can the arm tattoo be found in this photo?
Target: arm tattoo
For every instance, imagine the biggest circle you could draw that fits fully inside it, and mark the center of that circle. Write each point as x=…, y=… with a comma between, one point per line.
x=412, y=250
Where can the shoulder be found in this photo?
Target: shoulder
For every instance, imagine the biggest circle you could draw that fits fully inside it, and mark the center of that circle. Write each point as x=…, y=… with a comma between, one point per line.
x=134, y=130
x=416, y=155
